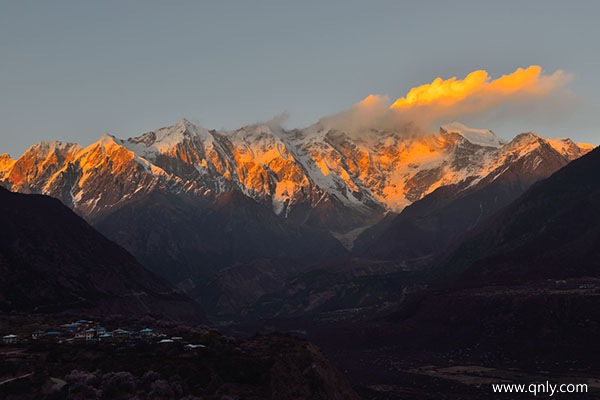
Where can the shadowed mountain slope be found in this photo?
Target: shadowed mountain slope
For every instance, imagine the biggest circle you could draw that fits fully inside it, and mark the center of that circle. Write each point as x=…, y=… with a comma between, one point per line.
x=52, y=260
x=552, y=231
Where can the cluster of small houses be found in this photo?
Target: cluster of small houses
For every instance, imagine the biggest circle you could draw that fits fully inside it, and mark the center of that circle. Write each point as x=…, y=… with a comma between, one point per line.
x=91, y=331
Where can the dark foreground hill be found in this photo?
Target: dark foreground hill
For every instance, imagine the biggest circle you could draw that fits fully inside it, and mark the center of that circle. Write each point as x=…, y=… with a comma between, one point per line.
x=200, y=365
x=51, y=260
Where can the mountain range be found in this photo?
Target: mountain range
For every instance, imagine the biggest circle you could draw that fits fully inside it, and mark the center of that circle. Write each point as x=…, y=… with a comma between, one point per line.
x=363, y=172
x=209, y=209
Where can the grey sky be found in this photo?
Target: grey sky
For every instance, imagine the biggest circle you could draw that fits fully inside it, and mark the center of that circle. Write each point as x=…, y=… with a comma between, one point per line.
x=73, y=70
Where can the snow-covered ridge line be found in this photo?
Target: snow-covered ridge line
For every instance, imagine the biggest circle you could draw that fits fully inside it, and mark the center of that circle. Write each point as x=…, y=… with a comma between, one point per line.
x=378, y=170
x=481, y=137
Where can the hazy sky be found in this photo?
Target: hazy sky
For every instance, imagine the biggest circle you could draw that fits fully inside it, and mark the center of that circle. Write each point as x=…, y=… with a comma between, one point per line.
x=73, y=70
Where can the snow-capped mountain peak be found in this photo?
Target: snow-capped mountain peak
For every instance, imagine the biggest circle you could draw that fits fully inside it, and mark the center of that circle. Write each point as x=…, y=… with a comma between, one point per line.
x=568, y=148
x=107, y=140
x=53, y=146
x=165, y=139
x=481, y=137
x=183, y=128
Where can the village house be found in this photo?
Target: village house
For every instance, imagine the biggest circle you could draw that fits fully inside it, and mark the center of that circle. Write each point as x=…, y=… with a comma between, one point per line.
x=53, y=335
x=87, y=334
x=72, y=325
x=37, y=334
x=10, y=339
x=121, y=332
x=194, y=346
x=147, y=332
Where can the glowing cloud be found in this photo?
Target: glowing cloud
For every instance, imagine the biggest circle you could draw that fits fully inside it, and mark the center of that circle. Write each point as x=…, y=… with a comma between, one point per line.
x=528, y=82
x=525, y=93
x=443, y=92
